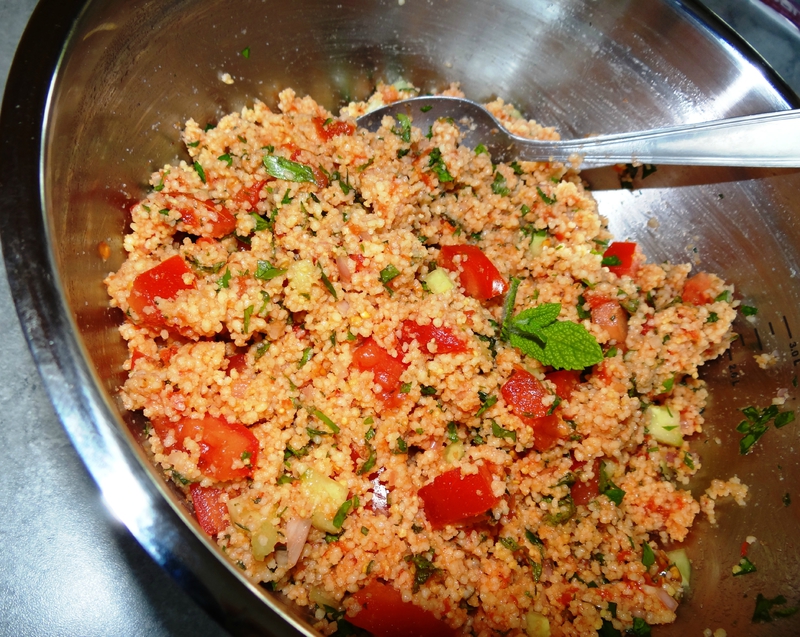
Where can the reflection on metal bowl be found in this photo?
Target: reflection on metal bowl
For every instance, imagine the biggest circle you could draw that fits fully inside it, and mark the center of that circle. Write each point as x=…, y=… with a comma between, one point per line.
x=103, y=89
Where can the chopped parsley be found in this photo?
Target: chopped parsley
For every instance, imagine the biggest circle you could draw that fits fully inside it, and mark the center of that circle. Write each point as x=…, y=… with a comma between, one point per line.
x=648, y=557
x=499, y=432
x=200, y=172
x=327, y=421
x=248, y=312
x=748, y=310
x=423, y=568
x=611, y=261
x=327, y=283
x=226, y=158
x=265, y=271
x=346, y=507
x=499, y=186
x=744, y=567
x=246, y=53
x=548, y=200
x=388, y=273
x=757, y=422
x=404, y=131
x=487, y=400
x=607, y=487
x=436, y=164
x=224, y=281
x=307, y=353
x=480, y=148
x=427, y=390
x=765, y=608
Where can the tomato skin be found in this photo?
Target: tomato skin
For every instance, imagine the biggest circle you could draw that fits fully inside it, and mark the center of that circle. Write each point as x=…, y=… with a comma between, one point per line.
x=333, y=128
x=566, y=381
x=384, y=614
x=237, y=362
x=446, y=341
x=387, y=370
x=251, y=195
x=609, y=315
x=197, y=213
x=221, y=444
x=479, y=277
x=452, y=498
x=524, y=393
x=624, y=251
x=163, y=281
x=696, y=290
x=209, y=509
x=584, y=492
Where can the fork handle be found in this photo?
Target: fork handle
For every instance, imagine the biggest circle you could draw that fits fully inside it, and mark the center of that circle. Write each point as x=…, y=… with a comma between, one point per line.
x=766, y=140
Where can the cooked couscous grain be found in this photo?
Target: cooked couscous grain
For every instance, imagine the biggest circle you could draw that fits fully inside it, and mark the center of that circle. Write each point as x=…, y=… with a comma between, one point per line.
x=403, y=384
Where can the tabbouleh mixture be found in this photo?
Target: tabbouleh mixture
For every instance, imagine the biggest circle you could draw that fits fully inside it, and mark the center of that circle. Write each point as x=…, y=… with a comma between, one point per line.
x=414, y=391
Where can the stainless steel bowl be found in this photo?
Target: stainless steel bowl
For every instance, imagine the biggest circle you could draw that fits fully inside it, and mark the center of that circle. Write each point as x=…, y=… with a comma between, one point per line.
x=94, y=103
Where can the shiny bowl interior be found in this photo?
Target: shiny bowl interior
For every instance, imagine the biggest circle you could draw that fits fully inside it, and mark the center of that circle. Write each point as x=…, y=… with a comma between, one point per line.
x=95, y=101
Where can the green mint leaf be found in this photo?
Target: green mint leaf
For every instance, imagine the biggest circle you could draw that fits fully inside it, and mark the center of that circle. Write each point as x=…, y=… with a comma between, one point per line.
x=266, y=272
x=404, y=132
x=288, y=170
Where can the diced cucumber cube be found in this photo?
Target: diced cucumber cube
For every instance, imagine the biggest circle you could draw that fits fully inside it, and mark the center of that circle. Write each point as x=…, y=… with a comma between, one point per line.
x=679, y=558
x=664, y=425
x=325, y=496
x=438, y=281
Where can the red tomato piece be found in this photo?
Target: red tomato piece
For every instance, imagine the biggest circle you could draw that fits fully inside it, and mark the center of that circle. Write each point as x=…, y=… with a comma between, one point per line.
x=201, y=217
x=479, y=277
x=136, y=356
x=696, y=290
x=330, y=128
x=222, y=444
x=164, y=281
x=237, y=362
x=584, y=492
x=610, y=316
x=387, y=370
x=384, y=614
x=446, y=341
x=209, y=509
x=565, y=380
x=524, y=393
x=251, y=195
x=452, y=498
x=624, y=252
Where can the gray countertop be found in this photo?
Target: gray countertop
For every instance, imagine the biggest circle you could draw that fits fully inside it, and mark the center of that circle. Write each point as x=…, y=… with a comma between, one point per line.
x=67, y=567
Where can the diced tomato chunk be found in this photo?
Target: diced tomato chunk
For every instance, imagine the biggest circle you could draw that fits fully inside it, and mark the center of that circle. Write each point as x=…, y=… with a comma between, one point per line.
x=251, y=195
x=610, y=316
x=136, y=356
x=524, y=393
x=387, y=370
x=622, y=252
x=164, y=281
x=237, y=362
x=697, y=289
x=201, y=217
x=330, y=128
x=452, y=498
x=565, y=380
x=384, y=614
x=222, y=444
x=479, y=277
x=209, y=509
x=446, y=341
x=584, y=492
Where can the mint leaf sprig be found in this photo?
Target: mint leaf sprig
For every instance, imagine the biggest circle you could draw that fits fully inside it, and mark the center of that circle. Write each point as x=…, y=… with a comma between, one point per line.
x=538, y=333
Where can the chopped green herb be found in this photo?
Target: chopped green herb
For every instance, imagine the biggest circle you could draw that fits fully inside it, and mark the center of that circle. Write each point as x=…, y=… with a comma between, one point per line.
x=265, y=271
x=611, y=261
x=261, y=223
x=341, y=514
x=405, y=388
x=724, y=296
x=366, y=165
x=648, y=557
x=480, y=148
x=404, y=132
x=524, y=209
x=388, y=273
x=369, y=463
x=436, y=163
x=499, y=432
x=287, y=197
x=548, y=200
x=510, y=543
x=288, y=170
x=516, y=167
x=248, y=312
x=402, y=446
x=668, y=385
x=193, y=144
x=327, y=283
x=205, y=269
x=402, y=152
x=312, y=433
x=748, y=310
x=583, y=314
x=224, y=281
x=452, y=431
x=487, y=400
x=160, y=186
x=757, y=423
x=364, y=530
x=566, y=511
x=744, y=567
x=499, y=185
x=687, y=460
x=608, y=488
x=286, y=479
x=640, y=628
x=246, y=52
x=307, y=353
x=425, y=108
x=164, y=211
x=764, y=606
x=226, y=158
x=612, y=352
x=261, y=349
x=783, y=419
x=200, y=172
x=209, y=127
x=328, y=422
x=423, y=569
x=713, y=317
x=427, y=390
